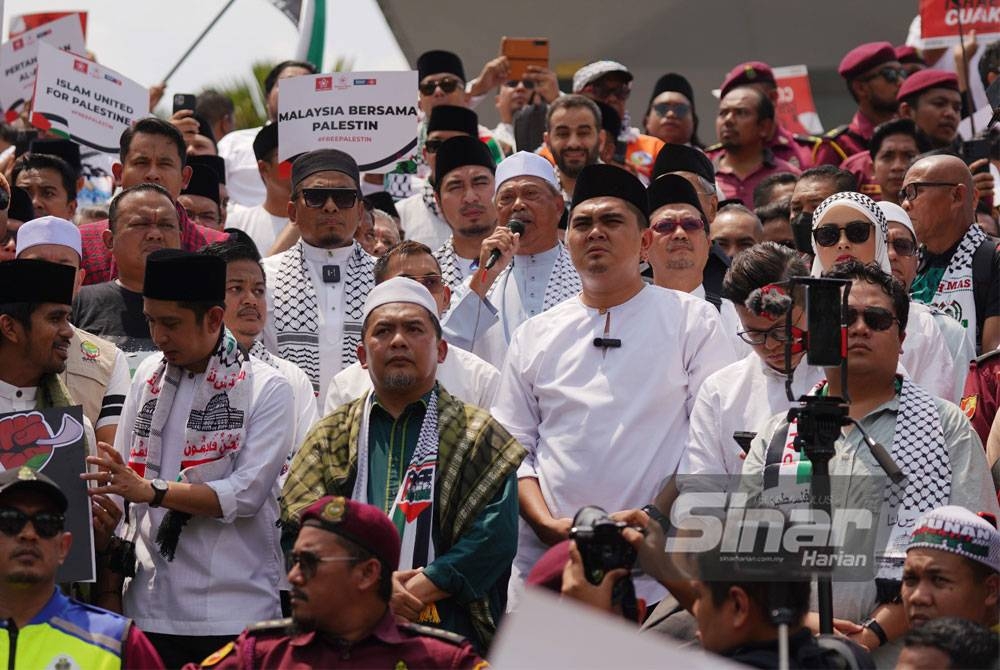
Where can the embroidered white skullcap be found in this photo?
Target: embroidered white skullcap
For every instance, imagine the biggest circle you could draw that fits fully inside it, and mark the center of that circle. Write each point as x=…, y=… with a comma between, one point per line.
x=525, y=164
x=49, y=230
x=399, y=289
x=895, y=213
x=959, y=531
x=868, y=208
x=594, y=71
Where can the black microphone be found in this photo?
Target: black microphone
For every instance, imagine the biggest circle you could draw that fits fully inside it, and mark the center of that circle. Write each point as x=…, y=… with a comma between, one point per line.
x=515, y=226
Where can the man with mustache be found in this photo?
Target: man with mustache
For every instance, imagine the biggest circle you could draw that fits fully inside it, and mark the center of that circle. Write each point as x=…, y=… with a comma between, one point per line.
x=573, y=136
x=341, y=575
x=931, y=99
x=463, y=190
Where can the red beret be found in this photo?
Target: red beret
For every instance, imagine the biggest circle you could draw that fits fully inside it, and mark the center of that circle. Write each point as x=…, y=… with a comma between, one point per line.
x=365, y=525
x=907, y=54
x=548, y=571
x=922, y=80
x=862, y=58
x=744, y=74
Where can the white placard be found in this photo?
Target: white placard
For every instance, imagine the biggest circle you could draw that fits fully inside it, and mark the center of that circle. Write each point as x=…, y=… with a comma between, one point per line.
x=18, y=58
x=88, y=103
x=370, y=115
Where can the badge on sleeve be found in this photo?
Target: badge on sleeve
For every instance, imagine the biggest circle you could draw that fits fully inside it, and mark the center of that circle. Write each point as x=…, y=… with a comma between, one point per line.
x=969, y=404
x=218, y=655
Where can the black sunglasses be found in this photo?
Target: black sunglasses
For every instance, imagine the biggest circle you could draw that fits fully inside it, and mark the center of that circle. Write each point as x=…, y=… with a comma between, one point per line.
x=903, y=246
x=527, y=83
x=876, y=318
x=828, y=234
x=890, y=74
x=308, y=562
x=47, y=524
x=680, y=109
x=343, y=198
x=447, y=85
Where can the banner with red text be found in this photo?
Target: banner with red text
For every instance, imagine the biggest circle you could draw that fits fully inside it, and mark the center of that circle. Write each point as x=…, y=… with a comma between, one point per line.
x=796, y=109
x=939, y=21
x=19, y=59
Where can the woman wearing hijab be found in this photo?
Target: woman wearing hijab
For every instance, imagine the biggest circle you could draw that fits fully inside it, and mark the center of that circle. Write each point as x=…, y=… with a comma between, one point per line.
x=851, y=225
x=670, y=115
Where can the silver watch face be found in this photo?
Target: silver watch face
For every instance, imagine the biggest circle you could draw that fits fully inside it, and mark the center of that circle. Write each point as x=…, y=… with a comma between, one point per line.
x=159, y=485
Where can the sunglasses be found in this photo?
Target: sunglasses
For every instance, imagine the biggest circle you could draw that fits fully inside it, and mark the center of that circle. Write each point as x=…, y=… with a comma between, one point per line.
x=876, y=318
x=903, y=246
x=667, y=227
x=910, y=191
x=343, y=198
x=308, y=562
x=447, y=85
x=527, y=83
x=47, y=524
x=890, y=74
x=432, y=283
x=680, y=109
x=829, y=234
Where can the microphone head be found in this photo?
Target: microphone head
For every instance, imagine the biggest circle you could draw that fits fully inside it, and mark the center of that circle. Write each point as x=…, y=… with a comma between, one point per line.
x=516, y=226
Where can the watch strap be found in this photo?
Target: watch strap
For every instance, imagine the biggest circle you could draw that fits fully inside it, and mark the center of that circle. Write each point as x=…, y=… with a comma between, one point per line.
x=875, y=627
x=158, y=494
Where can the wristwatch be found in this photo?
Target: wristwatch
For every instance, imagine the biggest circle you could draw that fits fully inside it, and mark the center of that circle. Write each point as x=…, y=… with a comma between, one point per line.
x=875, y=627
x=159, y=490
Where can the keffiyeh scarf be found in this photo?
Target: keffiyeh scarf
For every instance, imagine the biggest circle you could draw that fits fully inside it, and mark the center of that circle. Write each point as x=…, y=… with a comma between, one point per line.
x=563, y=283
x=955, y=294
x=869, y=209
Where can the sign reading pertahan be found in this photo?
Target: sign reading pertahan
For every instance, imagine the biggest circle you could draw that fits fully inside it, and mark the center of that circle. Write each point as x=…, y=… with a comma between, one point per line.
x=370, y=115
x=85, y=102
x=19, y=59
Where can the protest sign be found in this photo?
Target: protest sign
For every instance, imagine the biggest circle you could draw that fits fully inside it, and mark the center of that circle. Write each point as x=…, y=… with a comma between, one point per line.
x=940, y=19
x=85, y=102
x=19, y=56
x=370, y=115
x=51, y=441
x=24, y=22
x=796, y=110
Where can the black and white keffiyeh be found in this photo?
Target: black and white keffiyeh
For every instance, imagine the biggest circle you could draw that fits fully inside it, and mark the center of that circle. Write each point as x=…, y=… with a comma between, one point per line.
x=955, y=294
x=868, y=208
x=564, y=281
x=449, y=261
x=296, y=309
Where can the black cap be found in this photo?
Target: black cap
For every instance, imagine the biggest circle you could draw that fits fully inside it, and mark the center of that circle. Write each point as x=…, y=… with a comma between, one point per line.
x=682, y=158
x=21, y=208
x=600, y=180
x=29, y=478
x=217, y=163
x=437, y=62
x=31, y=280
x=610, y=121
x=674, y=82
x=67, y=150
x=203, y=182
x=458, y=152
x=322, y=160
x=450, y=117
x=174, y=274
x=672, y=189
x=266, y=141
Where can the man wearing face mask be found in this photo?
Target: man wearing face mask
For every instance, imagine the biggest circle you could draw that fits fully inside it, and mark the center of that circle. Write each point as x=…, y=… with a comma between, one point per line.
x=813, y=187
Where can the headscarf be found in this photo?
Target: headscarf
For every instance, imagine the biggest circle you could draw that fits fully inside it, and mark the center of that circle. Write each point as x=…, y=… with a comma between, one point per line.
x=870, y=210
x=897, y=214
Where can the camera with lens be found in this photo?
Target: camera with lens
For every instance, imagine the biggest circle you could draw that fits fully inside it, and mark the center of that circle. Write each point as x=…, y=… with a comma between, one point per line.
x=599, y=540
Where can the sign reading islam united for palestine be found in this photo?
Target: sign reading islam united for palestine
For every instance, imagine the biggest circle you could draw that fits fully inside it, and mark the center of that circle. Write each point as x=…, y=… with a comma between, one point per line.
x=370, y=115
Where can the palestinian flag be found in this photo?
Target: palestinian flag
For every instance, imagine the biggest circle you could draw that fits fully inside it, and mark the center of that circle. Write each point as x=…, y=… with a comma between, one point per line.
x=310, y=18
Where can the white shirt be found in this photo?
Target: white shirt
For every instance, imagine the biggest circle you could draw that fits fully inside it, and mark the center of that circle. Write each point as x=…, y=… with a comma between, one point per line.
x=304, y=400
x=262, y=226
x=23, y=399
x=926, y=357
x=740, y=397
x=420, y=223
x=956, y=339
x=242, y=178
x=605, y=427
x=329, y=303
x=465, y=376
x=227, y=570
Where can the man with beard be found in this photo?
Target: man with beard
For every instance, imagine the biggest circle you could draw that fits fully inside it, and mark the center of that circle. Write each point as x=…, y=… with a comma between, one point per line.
x=873, y=76
x=574, y=137
x=744, y=125
x=341, y=572
x=463, y=190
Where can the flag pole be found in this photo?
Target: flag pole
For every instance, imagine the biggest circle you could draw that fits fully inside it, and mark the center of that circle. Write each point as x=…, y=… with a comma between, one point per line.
x=195, y=44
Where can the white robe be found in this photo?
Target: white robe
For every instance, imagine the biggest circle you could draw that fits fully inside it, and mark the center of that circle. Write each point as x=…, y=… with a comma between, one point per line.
x=606, y=426
x=420, y=223
x=262, y=226
x=243, y=180
x=926, y=358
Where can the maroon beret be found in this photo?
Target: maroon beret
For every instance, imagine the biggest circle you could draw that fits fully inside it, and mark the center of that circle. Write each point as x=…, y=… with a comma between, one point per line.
x=365, y=525
x=548, y=571
x=744, y=74
x=907, y=54
x=920, y=81
x=862, y=58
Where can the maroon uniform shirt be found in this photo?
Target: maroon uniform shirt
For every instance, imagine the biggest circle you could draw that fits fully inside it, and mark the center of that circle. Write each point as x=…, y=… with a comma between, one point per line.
x=843, y=142
x=734, y=187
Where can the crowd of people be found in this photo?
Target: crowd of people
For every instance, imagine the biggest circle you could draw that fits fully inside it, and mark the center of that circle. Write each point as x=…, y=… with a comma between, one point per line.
x=375, y=402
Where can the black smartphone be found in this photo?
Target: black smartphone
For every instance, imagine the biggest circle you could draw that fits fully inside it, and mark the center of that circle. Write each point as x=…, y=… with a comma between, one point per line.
x=823, y=308
x=184, y=101
x=974, y=150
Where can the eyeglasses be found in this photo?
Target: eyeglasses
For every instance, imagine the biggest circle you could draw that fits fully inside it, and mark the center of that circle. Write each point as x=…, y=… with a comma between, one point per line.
x=343, y=198
x=890, y=74
x=876, y=318
x=432, y=283
x=680, y=109
x=308, y=562
x=756, y=337
x=667, y=226
x=47, y=524
x=910, y=191
x=432, y=146
x=903, y=246
x=829, y=234
x=620, y=91
x=527, y=83
x=446, y=84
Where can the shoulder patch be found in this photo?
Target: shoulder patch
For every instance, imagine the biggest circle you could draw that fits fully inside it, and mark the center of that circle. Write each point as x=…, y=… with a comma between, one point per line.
x=835, y=133
x=269, y=626
x=807, y=140
x=218, y=655
x=430, y=631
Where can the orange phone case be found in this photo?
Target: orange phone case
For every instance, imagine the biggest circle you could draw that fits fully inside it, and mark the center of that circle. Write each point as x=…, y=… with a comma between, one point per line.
x=524, y=51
